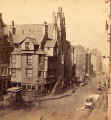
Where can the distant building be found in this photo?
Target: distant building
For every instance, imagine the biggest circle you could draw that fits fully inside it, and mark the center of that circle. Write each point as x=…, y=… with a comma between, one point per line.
x=89, y=67
x=79, y=61
x=96, y=60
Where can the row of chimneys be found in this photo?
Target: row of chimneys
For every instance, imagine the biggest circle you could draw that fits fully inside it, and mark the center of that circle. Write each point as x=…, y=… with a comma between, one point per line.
x=14, y=28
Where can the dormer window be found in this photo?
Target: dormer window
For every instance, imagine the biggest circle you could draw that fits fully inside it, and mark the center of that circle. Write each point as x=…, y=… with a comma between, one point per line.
x=26, y=45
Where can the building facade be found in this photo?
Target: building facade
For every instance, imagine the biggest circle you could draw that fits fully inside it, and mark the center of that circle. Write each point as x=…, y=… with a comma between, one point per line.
x=79, y=61
x=96, y=59
x=41, y=57
x=5, y=50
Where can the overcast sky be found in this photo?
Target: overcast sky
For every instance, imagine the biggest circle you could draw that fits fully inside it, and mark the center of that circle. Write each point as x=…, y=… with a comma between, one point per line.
x=85, y=19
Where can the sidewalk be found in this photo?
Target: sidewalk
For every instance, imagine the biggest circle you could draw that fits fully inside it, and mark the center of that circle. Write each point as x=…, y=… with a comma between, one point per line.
x=53, y=97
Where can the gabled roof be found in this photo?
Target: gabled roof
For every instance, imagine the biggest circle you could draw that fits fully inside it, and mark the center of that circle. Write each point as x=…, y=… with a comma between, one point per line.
x=34, y=31
x=50, y=43
x=32, y=40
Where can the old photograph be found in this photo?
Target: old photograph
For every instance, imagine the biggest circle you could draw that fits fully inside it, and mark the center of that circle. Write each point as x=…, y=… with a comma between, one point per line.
x=55, y=59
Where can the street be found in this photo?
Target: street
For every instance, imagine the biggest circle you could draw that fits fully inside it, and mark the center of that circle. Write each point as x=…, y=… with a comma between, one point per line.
x=66, y=108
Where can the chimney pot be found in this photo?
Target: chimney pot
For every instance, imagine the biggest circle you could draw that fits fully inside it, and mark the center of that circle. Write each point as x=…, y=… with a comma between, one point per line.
x=45, y=23
x=13, y=23
x=0, y=15
x=60, y=9
x=46, y=29
x=13, y=27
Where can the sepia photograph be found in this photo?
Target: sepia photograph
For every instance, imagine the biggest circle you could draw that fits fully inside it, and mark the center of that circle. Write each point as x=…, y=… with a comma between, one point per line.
x=55, y=59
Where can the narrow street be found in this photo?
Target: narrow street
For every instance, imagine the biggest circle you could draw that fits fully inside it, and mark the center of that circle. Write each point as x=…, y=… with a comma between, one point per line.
x=66, y=108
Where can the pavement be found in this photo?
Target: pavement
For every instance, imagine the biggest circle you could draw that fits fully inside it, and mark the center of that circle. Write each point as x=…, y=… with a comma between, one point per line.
x=58, y=96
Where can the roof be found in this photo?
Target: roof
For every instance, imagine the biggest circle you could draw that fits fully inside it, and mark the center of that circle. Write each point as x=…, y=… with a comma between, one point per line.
x=32, y=40
x=50, y=43
x=34, y=31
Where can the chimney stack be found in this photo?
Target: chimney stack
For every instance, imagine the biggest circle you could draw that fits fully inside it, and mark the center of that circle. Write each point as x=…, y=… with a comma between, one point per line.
x=13, y=27
x=1, y=20
x=59, y=9
x=63, y=17
x=54, y=19
x=0, y=16
x=13, y=23
x=46, y=29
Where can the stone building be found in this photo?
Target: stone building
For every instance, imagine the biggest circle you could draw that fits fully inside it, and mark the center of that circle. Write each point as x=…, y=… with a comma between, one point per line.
x=82, y=64
x=96, y=60
x=41, y=56
x=5, y=49
x=89, y=66
x=79, y=62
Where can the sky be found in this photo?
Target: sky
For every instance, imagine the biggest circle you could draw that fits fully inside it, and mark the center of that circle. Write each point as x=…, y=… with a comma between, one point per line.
x=85, y=19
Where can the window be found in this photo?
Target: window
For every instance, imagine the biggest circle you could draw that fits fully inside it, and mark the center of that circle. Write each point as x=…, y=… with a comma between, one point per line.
x=29, y=59
x=45, y=74
x=13, y=59
x=28, y=73
x=4, y=70
x=41, y=62
x=62, y=59
x=41, y=58
x=26, y=45
x=13, y=72
x=42, y=74
x=1, y=70
x=48, y=48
